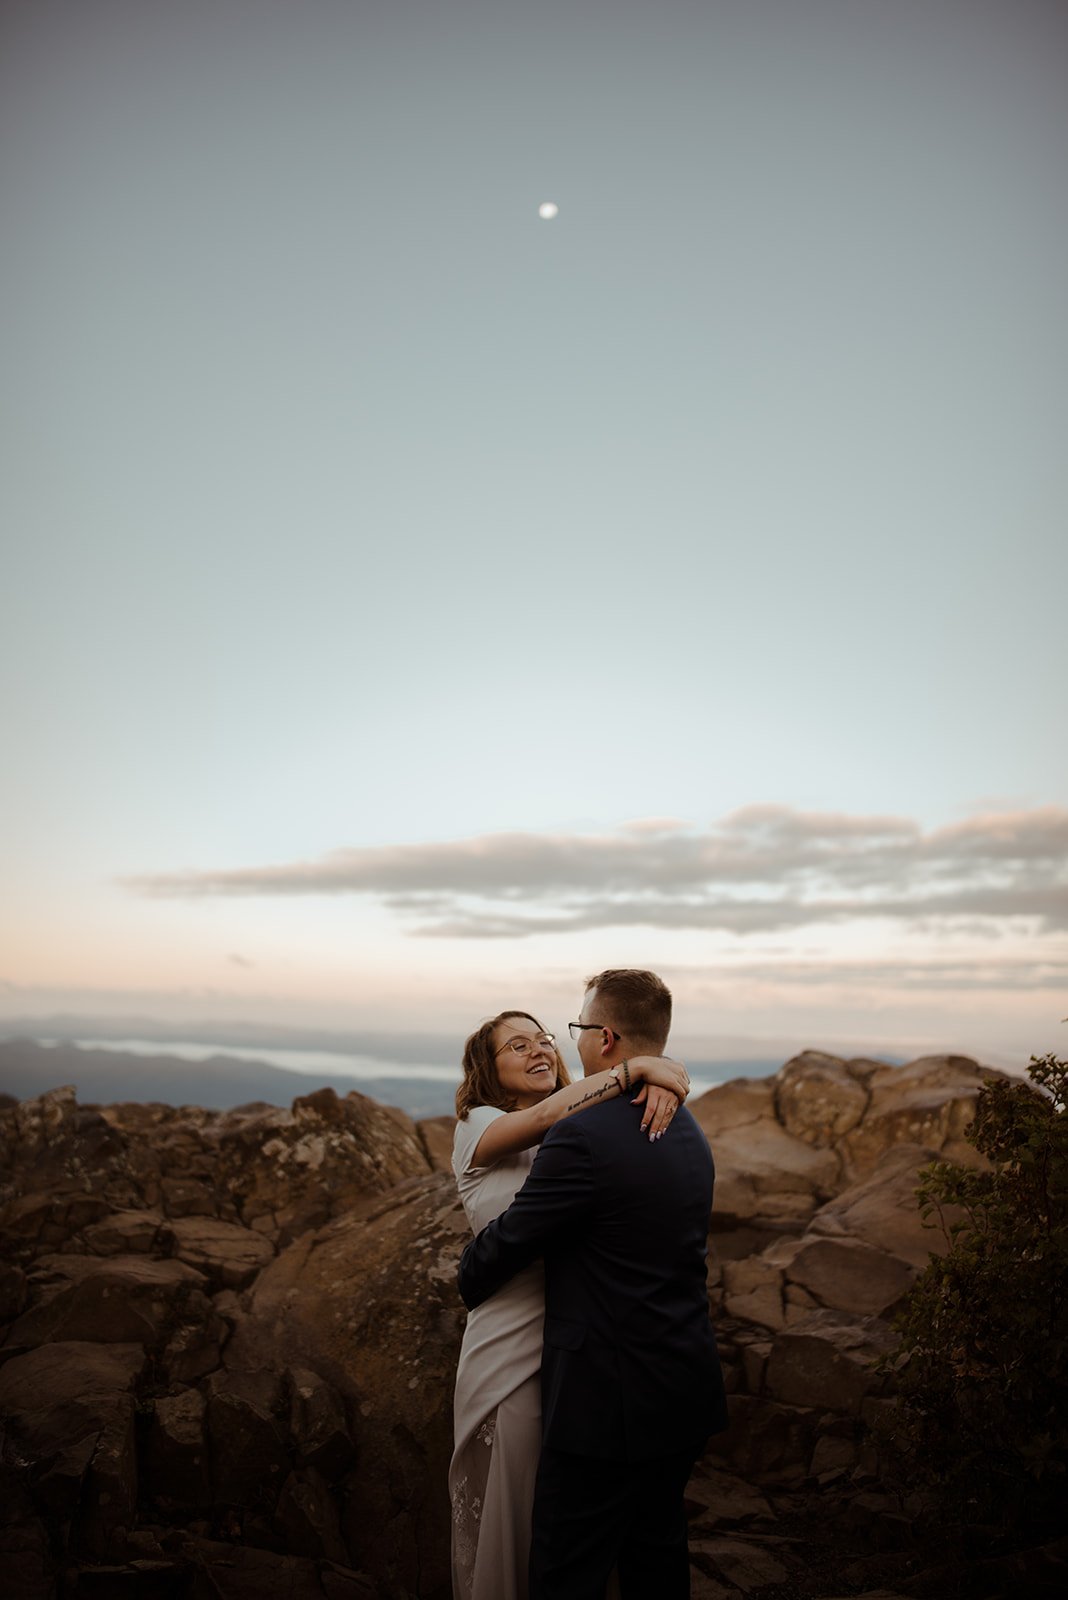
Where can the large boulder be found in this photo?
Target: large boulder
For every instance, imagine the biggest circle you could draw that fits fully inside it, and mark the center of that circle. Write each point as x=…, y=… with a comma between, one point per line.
x=827, y=1361
x=69, y=1408
x=228, y=1255
x=249, y=1461
x=819, y=1098
x=369, y=1305
x=747, y=1564
x=762, y=1171
x=881, y=1210
x=46, y=1220
x=13, y=1292
x=437, y=1135
x=117, y=1299
x=124, y=1233
x=753, y=1291
x=177, y=1458
x=766, y=1442
x=795, y=1275
x=317, y=1424
x=843, y=1274
x=929, y=1102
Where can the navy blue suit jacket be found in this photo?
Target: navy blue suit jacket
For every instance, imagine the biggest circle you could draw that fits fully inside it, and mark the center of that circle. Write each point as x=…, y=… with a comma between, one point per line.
x=629, y=1367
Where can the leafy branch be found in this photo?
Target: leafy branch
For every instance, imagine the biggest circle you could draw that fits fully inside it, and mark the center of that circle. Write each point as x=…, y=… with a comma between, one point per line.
x=982, y=1362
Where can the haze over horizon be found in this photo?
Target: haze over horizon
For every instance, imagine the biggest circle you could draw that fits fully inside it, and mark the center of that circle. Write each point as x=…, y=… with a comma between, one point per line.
x=411, y=605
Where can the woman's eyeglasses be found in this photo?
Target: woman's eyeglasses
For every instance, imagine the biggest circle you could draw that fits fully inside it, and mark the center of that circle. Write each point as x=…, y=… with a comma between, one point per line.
x=523, y=1047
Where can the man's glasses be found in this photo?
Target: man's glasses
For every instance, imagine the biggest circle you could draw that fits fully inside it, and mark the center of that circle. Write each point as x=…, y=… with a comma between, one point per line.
x=575, y=1028
x=523, y=1047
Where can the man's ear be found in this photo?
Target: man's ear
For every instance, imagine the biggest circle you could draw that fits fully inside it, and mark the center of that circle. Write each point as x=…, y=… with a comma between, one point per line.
x=608, y=1041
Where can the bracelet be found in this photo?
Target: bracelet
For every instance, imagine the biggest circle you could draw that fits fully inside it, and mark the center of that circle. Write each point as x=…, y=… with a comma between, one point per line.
x=625, y=1083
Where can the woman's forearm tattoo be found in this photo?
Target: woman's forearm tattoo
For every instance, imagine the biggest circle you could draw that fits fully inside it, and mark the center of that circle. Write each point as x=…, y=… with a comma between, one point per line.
x=591, y=1094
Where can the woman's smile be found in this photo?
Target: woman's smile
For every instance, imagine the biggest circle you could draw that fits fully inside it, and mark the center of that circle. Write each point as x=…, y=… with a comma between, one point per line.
x=529, y=1072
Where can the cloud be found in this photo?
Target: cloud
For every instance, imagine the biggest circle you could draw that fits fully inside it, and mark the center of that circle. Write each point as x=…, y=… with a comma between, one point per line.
x=937, y=974
x=758, y=870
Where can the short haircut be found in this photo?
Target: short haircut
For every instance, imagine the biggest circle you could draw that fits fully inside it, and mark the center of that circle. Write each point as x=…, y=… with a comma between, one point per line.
x=636, y=1004
x=481, y=1086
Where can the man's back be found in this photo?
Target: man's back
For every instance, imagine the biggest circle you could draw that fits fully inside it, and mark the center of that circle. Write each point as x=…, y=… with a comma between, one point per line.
x=630, y=1368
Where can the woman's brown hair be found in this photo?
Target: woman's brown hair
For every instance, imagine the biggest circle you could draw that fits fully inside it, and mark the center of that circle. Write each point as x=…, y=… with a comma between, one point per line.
x=481, y=1085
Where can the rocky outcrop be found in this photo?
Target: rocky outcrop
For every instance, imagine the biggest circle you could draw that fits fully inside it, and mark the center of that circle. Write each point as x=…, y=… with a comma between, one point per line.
x=227, y=1341
x=765, y=1175
x=436, y=1134
x=786, y=1145
x=70, y=1409
x=369, y=1303
x=816, y=1238
x=274, y=1172
x=156, y=1450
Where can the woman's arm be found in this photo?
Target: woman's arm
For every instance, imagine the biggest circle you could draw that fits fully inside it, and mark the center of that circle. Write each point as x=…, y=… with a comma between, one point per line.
x=519, y=1130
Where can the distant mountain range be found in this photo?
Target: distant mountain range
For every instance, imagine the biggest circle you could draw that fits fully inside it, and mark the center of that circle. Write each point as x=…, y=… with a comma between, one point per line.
x=234, y=1034
x=220, y=1082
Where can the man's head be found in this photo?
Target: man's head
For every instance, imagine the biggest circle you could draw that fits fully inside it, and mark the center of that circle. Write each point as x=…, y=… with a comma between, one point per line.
x=626, y=1012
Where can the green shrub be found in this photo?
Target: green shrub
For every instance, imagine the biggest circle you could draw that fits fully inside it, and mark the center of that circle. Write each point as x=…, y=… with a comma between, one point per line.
x=982, y=1366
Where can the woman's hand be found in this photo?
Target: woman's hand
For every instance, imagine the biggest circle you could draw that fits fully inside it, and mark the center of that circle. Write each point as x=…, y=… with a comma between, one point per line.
x=665, y=1085
x=663, y=1072
x=660, y=1106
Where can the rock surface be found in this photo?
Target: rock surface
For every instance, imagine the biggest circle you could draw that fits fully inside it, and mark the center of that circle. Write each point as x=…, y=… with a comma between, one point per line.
x=763, y=1172
x=227, y=1341
x=370, y=1304
x=136, y=1447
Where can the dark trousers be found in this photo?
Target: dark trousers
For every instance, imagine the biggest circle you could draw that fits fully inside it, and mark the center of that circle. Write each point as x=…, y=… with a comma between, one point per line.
x=591, y=1516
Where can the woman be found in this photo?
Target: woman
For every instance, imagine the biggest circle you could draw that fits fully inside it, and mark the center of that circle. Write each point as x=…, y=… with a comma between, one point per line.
x=515, y=1087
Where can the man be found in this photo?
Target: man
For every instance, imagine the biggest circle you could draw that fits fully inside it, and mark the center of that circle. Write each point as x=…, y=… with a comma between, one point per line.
x=631, y=1383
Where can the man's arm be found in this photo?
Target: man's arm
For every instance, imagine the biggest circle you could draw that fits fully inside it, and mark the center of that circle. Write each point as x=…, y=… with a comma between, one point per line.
x=556, y=1196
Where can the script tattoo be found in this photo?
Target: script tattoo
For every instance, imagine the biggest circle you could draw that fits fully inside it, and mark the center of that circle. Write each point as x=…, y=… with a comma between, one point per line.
x=591, y=1094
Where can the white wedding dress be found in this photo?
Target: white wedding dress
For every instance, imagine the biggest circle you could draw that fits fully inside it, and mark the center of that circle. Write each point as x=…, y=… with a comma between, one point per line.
x=497, y=1406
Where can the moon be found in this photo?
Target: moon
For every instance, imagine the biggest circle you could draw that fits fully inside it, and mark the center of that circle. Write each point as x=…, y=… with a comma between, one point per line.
x=548, y=210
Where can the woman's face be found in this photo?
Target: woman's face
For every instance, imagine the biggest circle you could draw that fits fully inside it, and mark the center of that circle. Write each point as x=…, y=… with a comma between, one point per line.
x=526, y=1075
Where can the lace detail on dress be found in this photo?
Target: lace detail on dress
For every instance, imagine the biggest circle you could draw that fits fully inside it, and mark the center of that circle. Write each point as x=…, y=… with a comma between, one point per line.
x=468, y=1494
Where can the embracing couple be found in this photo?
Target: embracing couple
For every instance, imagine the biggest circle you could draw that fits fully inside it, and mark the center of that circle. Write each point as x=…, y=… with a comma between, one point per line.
x=588, y=1379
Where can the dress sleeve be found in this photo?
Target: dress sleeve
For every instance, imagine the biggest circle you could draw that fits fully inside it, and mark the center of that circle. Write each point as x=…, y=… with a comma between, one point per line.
x=557, y=1196
x=469, y=1131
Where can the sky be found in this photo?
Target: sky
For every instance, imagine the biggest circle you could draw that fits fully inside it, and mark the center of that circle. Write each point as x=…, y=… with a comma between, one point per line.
x=409, y=606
